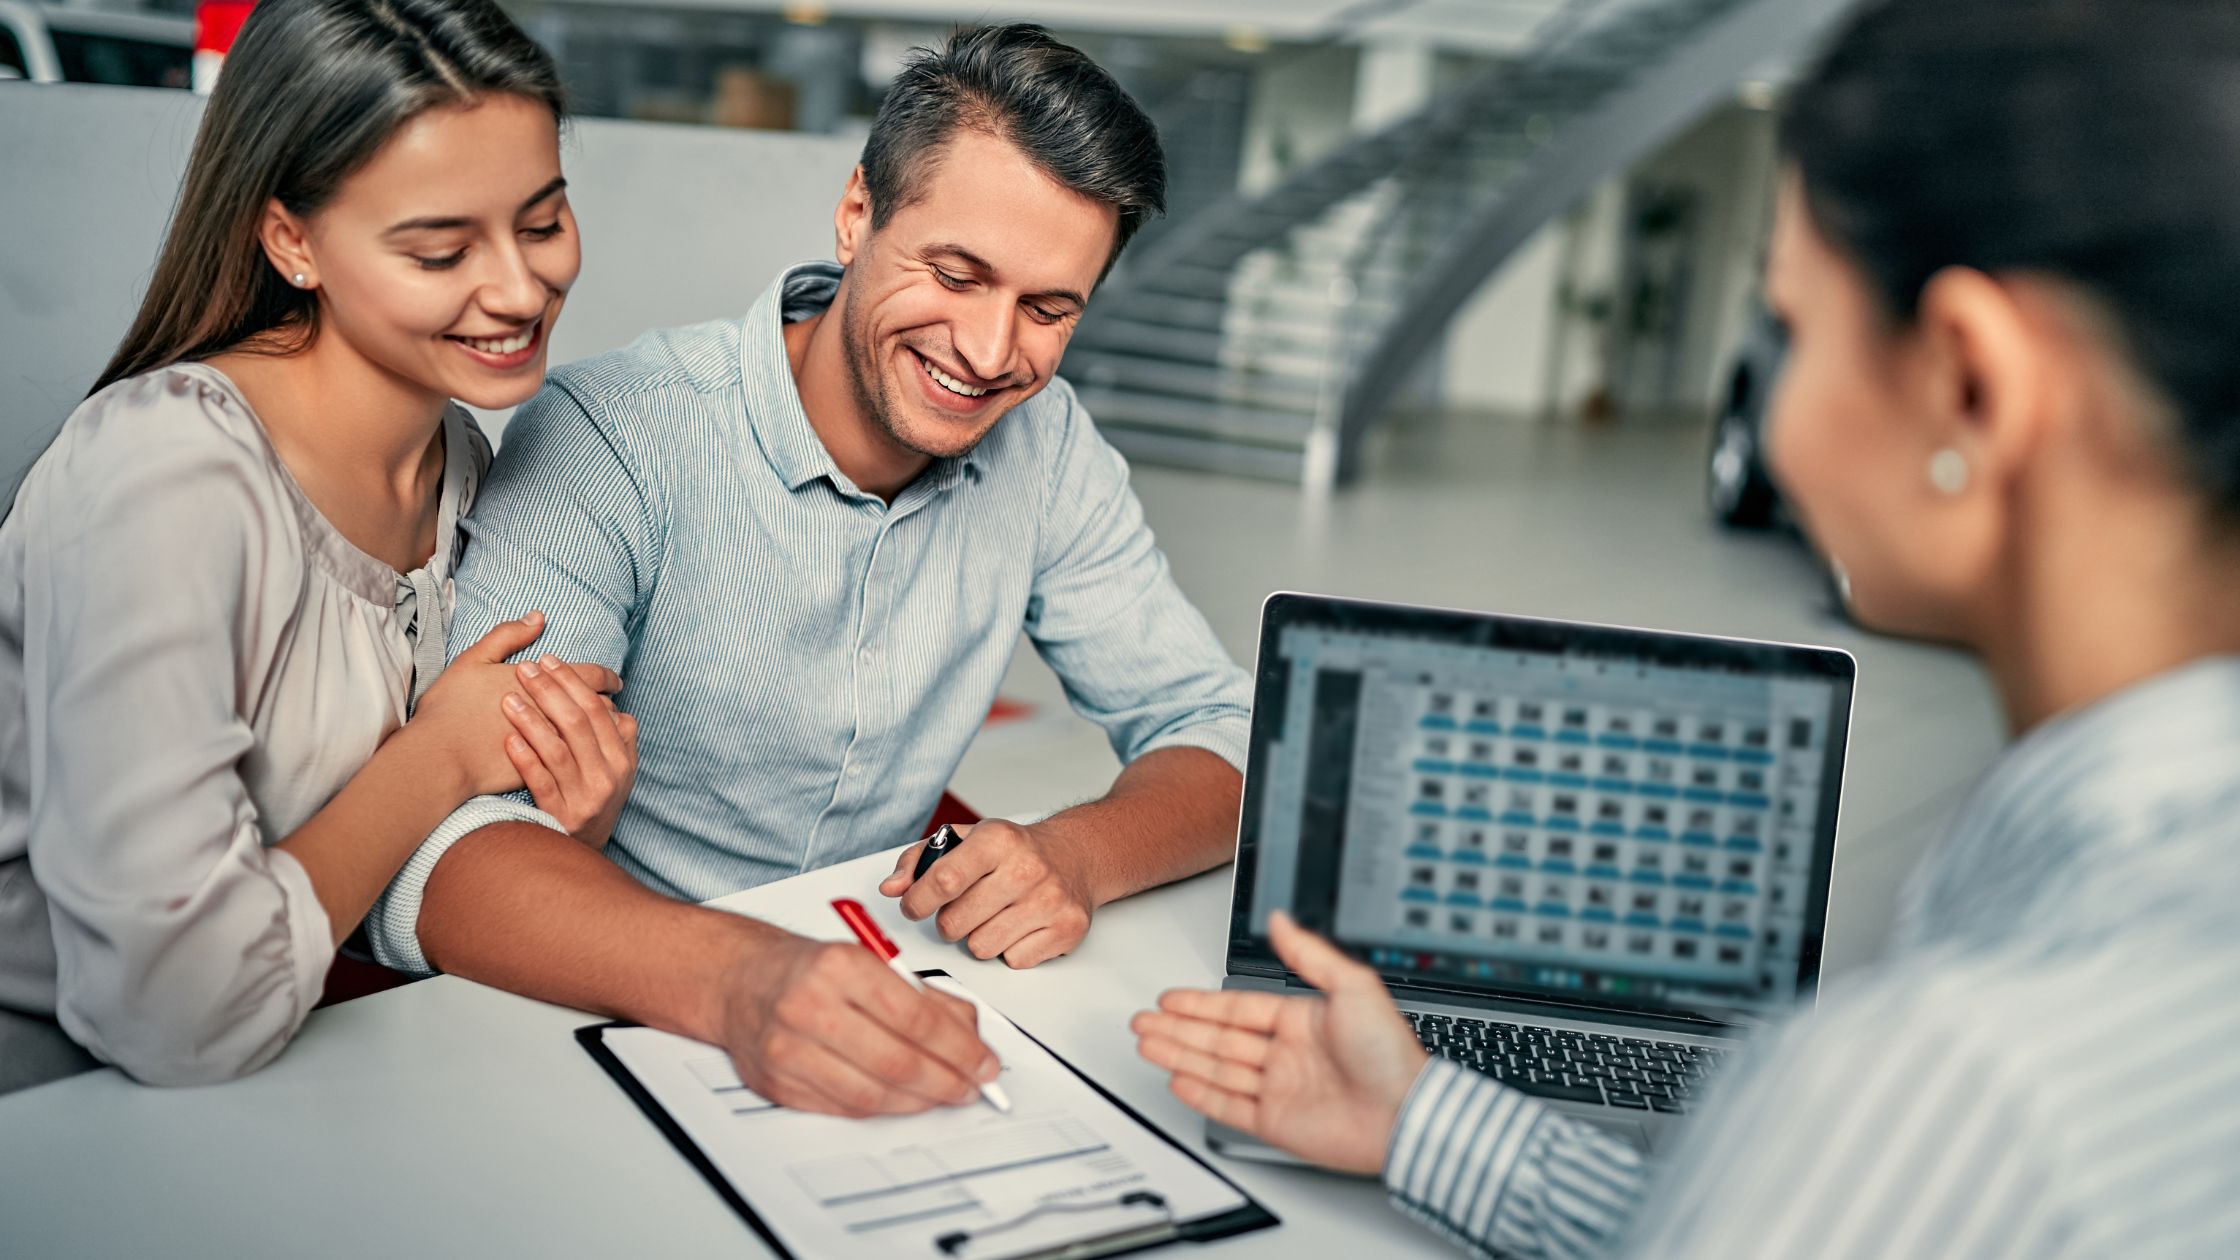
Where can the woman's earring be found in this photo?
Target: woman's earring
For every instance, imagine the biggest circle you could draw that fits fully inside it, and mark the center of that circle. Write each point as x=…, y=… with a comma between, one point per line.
x=1948, y=471
x=300, y=279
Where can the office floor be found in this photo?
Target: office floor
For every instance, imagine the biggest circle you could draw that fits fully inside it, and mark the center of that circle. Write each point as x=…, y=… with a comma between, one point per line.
x=1597, y=524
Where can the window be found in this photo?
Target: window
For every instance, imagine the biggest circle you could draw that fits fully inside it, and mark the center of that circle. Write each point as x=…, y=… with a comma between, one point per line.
x=86, y=57
x=11, y=56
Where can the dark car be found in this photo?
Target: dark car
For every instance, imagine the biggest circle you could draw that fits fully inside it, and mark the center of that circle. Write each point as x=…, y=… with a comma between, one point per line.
x=48, y=44
x=1737, y=487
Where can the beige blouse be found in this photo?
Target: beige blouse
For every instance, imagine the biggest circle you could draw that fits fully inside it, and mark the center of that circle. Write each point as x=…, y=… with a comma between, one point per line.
x=193, y=661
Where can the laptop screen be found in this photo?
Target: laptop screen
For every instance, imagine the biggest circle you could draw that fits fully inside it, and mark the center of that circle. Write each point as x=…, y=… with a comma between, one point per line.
x=1590, y=815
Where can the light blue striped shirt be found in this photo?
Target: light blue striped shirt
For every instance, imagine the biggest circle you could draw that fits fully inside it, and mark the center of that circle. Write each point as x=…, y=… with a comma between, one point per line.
x=808, y=664
x=2048, y=1065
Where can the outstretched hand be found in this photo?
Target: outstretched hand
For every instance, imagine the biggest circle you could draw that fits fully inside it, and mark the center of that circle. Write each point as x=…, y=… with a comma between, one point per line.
x=1322, y=1078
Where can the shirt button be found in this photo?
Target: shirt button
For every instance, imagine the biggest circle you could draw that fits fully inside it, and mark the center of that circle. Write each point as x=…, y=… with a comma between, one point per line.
x=867, y=655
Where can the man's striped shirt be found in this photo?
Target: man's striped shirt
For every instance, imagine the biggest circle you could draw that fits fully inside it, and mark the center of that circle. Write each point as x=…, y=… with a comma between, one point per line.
x=807, y=663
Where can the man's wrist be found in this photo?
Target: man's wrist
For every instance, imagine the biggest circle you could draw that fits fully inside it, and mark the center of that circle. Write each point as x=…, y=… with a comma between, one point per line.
x=734, y=947
x=1065, y=843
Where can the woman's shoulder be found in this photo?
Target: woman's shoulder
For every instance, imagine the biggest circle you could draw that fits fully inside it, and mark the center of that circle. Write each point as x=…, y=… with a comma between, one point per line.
x=172, y=447
x=177, y=418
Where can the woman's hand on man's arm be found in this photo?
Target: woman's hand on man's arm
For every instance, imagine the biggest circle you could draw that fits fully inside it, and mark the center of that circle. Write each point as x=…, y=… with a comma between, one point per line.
x=544, y=725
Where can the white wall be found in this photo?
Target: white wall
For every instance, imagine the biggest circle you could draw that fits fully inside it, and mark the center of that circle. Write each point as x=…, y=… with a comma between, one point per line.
x=679, y=224
x=1735, y=295
x=1497, y=347
x=1512, y=348
x=1395, y=79
x=1301, y=107
x=1728, y=160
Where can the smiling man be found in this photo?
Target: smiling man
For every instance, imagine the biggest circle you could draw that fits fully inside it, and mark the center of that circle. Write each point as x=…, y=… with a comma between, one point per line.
x=809, y=540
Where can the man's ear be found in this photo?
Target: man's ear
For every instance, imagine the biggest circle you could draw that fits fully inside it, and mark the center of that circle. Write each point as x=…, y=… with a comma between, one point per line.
x=287, y=246
x=851, y=223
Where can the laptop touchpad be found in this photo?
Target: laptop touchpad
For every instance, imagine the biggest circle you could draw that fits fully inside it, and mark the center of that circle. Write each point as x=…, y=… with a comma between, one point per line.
x=1632, y=1132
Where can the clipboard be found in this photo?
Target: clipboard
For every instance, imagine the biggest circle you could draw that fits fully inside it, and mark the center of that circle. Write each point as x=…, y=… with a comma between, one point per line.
x=1133, y=1237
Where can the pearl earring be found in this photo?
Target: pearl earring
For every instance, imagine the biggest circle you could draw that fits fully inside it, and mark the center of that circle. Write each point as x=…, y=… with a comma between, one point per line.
x=300, y=279
x=1948, y=471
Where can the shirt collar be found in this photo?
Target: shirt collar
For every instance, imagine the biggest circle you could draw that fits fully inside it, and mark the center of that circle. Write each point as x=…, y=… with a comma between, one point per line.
x=781, y=425
x=2129, y=781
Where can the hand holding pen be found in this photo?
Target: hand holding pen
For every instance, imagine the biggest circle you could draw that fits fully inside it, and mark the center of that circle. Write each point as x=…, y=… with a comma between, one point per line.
x=1004, y=889
x=827, y=1026
x=859, y=921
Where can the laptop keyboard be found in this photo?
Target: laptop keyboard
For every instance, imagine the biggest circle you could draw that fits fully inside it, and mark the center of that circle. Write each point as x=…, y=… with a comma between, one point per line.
x=1560, y=1063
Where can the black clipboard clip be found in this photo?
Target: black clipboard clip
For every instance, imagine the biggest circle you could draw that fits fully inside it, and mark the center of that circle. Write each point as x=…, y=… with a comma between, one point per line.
x=1126, y=1238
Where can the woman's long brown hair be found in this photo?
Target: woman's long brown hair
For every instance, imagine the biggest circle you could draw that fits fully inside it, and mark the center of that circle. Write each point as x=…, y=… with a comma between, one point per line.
x=310, y=92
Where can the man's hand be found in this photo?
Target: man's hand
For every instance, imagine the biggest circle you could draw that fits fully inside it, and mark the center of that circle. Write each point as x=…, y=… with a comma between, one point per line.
x=1007, y=890
x=821, y=1026
x=1322, y=1078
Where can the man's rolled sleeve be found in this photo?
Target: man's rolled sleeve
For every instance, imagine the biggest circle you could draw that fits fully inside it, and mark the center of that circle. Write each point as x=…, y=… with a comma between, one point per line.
x=1134, y=655
x=1502, y=1174
x=1224, y=734
x=564, y=525
x=393, y=926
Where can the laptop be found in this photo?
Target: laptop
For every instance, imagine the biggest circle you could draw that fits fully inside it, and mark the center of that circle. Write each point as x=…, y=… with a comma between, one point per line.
x=1587, y=860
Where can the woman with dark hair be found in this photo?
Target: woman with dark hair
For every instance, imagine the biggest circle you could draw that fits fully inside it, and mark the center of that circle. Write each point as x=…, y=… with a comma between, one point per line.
x=2008, y=252
x=226, y=586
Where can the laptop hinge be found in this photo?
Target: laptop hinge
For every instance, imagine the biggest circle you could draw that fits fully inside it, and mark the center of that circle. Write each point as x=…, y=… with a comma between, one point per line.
x=1626, y=1017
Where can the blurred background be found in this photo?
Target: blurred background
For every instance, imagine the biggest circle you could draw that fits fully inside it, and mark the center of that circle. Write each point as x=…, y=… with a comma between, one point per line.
x=1455, y=302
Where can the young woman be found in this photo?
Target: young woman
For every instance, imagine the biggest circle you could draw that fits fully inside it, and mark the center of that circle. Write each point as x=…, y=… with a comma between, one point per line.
x=2008, y=252
x=226, y=586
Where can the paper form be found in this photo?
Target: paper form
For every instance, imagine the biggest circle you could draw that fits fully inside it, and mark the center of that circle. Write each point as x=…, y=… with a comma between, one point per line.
x=1061, y=1167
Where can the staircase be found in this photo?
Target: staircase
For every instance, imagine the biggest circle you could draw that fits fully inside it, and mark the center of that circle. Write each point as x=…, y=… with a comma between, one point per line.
x=1264, y=335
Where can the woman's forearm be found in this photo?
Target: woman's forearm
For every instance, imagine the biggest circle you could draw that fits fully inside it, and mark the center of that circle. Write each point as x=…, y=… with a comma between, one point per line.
x=355, y=845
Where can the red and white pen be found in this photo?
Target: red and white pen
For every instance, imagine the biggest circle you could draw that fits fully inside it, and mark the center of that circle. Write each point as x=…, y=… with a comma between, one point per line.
x=859, y=921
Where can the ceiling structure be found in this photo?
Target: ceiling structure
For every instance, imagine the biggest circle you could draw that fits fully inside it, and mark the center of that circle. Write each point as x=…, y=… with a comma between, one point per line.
x=1485, y=26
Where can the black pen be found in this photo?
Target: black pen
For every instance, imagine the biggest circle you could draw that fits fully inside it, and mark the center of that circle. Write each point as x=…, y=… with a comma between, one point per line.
x=943, y=839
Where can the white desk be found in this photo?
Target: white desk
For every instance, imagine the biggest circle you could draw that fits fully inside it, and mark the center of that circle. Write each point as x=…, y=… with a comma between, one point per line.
x=449, y=1119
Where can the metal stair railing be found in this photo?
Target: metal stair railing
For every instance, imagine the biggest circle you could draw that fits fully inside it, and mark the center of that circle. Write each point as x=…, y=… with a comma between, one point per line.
x=1727, y=39
x=1262, y=336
